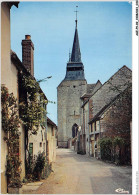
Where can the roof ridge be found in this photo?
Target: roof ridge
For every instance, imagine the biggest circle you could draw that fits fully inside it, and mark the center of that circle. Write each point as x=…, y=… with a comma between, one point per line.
x=113, y=76
x=107, y=105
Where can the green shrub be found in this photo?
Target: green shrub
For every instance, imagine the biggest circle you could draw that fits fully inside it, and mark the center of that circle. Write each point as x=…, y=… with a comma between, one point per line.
x=106, y=148
x=118, y=141
x=39, y=166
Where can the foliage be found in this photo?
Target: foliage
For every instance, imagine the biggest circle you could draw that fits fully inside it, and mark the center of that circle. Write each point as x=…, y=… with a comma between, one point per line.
x=24, y=180
x=106, y=146
x=30, y=164
x=111, y=149
x=47, y=170
x=32, y=109
x=118, y=141
x=37, y=167
x=10, y=125
x=33, y=106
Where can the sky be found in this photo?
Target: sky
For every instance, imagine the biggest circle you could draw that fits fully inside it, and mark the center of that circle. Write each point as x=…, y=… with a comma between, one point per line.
x=105, y=36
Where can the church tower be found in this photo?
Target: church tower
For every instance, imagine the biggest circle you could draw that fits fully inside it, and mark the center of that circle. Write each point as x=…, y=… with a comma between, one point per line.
x=69, y=92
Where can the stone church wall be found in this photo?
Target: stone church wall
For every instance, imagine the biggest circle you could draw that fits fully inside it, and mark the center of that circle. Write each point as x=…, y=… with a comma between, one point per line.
x=69, y=108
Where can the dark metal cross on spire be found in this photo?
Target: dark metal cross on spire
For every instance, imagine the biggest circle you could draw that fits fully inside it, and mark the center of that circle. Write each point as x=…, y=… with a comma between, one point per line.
x=76, y=16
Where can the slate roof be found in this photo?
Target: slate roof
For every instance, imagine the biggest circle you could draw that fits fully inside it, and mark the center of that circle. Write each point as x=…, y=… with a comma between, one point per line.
x=75, y=68
x=90, y=87
x=106, y=107
x=76, y=54
x=110, y=89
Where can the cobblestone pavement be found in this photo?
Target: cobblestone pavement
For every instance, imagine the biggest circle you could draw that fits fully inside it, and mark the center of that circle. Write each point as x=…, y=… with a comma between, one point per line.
x=79, y=174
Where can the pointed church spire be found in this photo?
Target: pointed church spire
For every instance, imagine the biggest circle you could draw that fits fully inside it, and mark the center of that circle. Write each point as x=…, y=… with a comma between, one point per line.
x=75, y=68
x=76, y=55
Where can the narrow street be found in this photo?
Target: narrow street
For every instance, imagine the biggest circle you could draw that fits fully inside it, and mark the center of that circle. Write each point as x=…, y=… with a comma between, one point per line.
x=79, y=174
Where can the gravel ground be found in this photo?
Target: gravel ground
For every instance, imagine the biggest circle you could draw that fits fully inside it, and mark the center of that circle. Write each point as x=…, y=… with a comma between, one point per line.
x=79, y=174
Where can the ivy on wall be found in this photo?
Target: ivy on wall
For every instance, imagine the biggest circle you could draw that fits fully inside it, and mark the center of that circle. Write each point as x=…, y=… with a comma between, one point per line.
x=10, y=126
x=32, y=112
x=33, y=106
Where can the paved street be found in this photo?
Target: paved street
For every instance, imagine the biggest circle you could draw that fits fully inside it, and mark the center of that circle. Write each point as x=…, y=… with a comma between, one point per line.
x=79, y=174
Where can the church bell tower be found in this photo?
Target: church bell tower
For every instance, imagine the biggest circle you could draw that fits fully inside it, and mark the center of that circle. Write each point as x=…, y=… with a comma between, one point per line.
x=69, y=92
x=75, y=68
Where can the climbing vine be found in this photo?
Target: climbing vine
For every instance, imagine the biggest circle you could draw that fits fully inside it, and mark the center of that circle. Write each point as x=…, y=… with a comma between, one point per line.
x=33, y=105
x=32, y=108
x=10, y=126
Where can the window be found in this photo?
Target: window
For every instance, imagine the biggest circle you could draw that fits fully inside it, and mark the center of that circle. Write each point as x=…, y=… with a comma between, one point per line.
x=95, y=126
x=91, y=127
x=74, y=130
x=40, y=144
x=31, y=149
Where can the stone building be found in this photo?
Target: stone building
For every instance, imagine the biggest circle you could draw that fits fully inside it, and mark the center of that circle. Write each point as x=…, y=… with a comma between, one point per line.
x=105, y=103
x=36, y=143
x=112, y=121
x=69, y=92
x=86, y=116
x=51, y=140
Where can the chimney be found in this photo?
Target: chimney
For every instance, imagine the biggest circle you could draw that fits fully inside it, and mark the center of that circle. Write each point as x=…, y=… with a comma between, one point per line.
x=28, y=54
